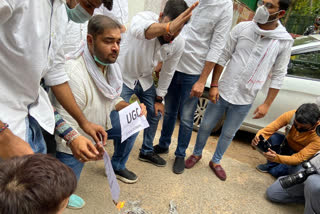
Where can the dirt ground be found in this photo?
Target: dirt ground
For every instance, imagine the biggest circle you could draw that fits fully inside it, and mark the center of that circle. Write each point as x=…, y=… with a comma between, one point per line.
x=196, y=191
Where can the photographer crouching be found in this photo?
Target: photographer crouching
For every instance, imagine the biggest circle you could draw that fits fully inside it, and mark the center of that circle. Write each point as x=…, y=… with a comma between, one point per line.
x=286, y=153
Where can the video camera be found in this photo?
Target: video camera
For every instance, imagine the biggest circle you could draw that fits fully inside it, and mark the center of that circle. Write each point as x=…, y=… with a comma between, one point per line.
x=311, y=167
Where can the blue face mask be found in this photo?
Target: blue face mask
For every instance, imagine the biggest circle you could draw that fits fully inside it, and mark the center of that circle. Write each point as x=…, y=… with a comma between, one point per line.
x=78, y=14
x=98, y=61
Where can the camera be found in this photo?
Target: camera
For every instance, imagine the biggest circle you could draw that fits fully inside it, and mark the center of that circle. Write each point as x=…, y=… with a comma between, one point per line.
x=263, y=145
x=311, y=167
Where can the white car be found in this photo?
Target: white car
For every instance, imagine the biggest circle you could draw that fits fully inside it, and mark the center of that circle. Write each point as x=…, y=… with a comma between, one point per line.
x=301, y=85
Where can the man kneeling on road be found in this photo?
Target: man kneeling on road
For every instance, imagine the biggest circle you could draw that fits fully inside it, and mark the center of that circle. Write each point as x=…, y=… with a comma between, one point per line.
x=96, y=84
x=303, y=140
x=300, y=143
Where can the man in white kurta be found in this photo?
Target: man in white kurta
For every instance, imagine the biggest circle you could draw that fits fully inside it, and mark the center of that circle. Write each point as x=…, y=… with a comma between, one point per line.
x=96, y=82
x=255, y=51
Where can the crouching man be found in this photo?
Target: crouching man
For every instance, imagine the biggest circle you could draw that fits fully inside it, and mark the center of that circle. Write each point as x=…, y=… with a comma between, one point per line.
x=97, y=84
x=300, y=143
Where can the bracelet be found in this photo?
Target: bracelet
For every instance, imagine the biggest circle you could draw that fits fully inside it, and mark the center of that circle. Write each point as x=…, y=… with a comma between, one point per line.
x=5, y=126
x=168, y=28
x=213, y=85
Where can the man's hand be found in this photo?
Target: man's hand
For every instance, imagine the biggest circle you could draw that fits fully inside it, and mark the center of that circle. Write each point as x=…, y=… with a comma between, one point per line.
x=270, y=155
x=158, y=69
x=214, y=94
x=83, y=149
x=12, y=145
x=261, y=111
x=254, y=142
x=197, y=89
x=158, y=107
x=178, y=23
x=143, y=110
x=95, y=131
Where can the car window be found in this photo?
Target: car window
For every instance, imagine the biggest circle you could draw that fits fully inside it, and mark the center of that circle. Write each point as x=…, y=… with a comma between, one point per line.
x=305, y=65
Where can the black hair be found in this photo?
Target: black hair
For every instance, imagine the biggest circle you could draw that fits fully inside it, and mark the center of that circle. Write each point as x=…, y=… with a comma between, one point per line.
x=174, y=8
x=284, y=4
x=308, y=113
x=34, y=184
x=98, y=23
x=108, y=4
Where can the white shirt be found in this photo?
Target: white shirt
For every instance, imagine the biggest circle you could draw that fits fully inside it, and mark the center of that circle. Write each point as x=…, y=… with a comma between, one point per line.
x=245, y=44
x=205, y=35
x=77, y=32
x=139, y=56
x=93, y=104
x=31, y=39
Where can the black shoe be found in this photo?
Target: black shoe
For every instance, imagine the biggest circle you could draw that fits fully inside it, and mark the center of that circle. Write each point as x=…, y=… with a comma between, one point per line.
x=159, y=150
x=152, y=158
x=126, y=176
x=178, y=166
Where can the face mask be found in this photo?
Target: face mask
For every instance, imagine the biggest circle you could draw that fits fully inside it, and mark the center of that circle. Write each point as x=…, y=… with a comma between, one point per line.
x=78, y=14
x=98, y=61
x=262, y=15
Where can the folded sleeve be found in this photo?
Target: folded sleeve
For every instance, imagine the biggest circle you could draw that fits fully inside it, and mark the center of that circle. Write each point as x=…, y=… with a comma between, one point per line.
x=280, y=67
x=140, y=23
x=6, y=10
x=219, y=36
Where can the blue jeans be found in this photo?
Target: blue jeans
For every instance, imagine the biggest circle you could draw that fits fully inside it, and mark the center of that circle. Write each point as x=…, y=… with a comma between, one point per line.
x=121, y=150
x=277, y=169
x=34, y=136
x=307, y=193
x=235, y=115
x=178, y=100
x=146, y=97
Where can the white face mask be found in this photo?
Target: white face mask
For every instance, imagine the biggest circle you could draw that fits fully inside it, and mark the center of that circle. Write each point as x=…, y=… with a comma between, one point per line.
x=262, y=15
x=78, y=14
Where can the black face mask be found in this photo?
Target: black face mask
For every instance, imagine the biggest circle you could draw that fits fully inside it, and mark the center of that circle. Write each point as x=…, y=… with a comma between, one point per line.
x=162, y=41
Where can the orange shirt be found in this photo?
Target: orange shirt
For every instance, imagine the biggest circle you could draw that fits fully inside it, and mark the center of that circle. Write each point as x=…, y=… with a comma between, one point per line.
x=305, y=144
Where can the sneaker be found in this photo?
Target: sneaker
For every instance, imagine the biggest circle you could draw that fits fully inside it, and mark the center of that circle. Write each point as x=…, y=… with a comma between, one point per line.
x=159, y=150
x=263, y=168
x=192, y=160
x=219, y=171
x=126, y=176
x=75, y=202
x=153, y=158
x=178, y=166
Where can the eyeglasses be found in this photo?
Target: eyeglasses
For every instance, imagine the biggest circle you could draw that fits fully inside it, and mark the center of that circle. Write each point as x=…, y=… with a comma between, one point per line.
x=268, y=5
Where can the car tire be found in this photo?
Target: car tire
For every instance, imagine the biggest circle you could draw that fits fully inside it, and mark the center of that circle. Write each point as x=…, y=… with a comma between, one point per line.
x=199, y=113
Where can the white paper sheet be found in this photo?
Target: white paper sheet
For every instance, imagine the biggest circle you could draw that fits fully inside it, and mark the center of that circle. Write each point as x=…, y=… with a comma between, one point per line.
x=112, y=179
x=130, y=121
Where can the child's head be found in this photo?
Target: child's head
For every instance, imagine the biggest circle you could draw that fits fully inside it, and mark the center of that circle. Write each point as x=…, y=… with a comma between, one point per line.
x=35, y=184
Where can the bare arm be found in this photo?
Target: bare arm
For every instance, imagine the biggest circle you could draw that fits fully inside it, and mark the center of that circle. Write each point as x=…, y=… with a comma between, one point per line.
x=214, y=91
x=159, y=29
x=65, y=97
x=11, y=145
x=121, y=105
x=198, y=87
x=262, y=110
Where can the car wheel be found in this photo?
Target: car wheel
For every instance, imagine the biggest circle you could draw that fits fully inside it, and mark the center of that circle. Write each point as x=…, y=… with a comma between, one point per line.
x=199, y=113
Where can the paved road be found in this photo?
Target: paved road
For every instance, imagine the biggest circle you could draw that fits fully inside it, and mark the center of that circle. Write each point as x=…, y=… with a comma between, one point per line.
x=196, y=191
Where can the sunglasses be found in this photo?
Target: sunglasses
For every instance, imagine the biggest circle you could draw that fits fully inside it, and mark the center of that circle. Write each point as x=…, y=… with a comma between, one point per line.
x=268, y=5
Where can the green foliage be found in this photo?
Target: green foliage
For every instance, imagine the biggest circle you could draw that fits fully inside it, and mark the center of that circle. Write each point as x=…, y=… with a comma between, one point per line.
x=307, y=8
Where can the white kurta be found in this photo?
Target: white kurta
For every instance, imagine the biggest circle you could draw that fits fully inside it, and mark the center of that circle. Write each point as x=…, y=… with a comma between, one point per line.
x=31, y=39
x=246, y=45
x=139, y=56
x=93, y=104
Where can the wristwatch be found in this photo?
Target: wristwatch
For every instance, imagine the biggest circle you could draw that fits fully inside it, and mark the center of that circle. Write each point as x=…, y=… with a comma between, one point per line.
x=158, y=99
